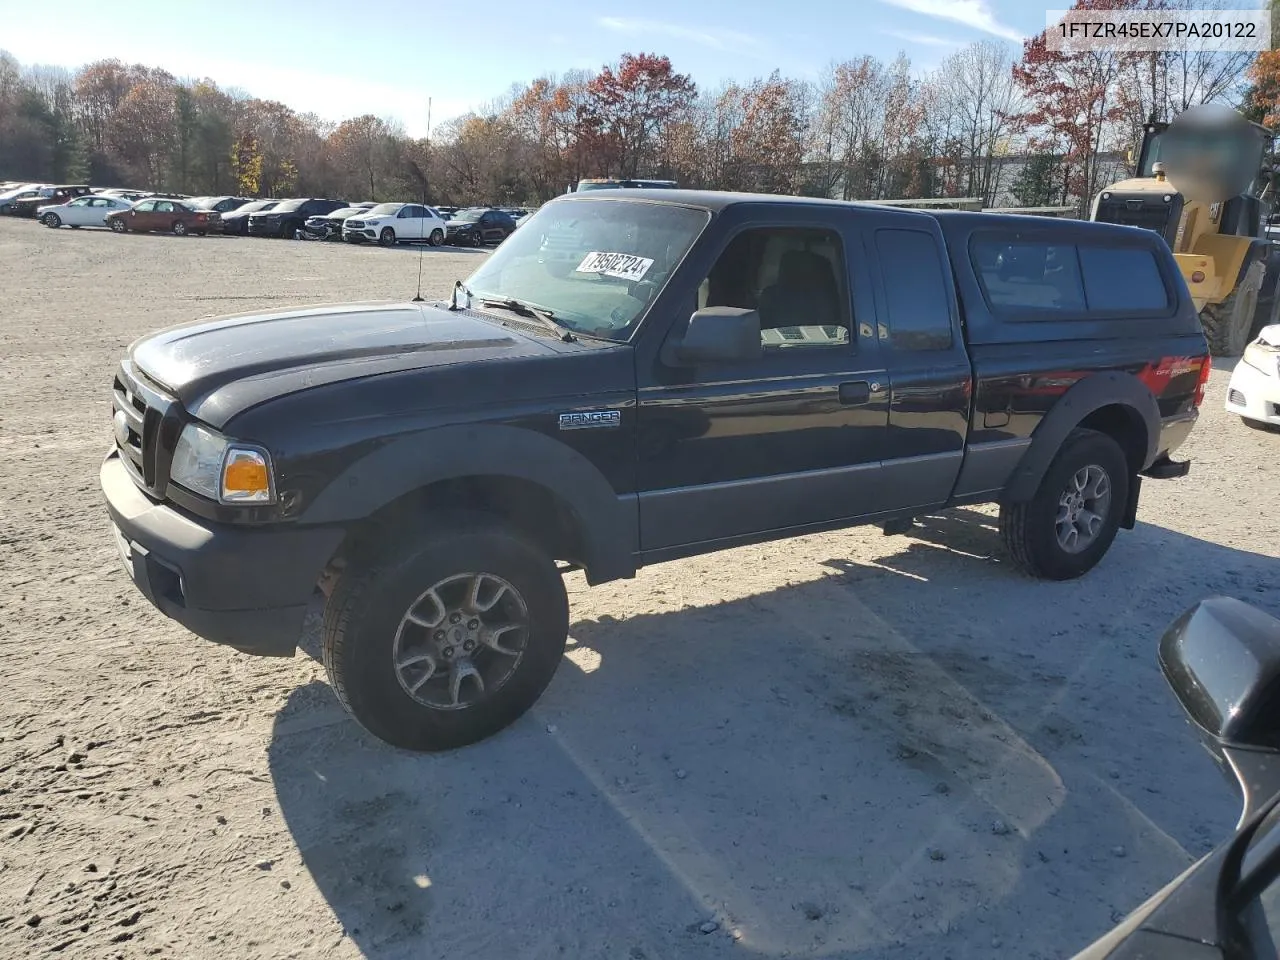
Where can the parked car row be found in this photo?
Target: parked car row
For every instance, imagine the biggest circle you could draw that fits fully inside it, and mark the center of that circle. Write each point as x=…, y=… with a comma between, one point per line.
x=313, y=218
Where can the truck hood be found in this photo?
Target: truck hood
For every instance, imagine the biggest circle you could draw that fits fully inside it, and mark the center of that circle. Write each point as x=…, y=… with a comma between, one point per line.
x=222, y=366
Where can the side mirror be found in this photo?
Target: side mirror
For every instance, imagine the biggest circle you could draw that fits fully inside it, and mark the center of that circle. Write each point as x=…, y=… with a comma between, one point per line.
x=1222, y=659
x=717, y=335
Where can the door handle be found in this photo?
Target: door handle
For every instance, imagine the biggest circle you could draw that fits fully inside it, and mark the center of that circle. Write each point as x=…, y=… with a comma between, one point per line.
x=855, y=392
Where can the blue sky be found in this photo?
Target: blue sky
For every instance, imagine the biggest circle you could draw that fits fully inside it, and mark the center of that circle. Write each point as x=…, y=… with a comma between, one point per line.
x=341, y=58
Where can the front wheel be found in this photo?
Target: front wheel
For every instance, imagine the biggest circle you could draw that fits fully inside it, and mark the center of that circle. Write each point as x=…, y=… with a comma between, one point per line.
x=437, y=237
x=52, y=220
x=1227, y=325
x=179, y=228
x=1068, y=526
x=448, y=636
x=387, y=237
x=118, y=226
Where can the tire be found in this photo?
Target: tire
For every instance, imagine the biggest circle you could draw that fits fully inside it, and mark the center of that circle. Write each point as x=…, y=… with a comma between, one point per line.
x=75, y=226
x=387, y=237
x=437, y=237
x=478, y=240
x=179, y=228
x=365, y=627
x=286, y=230
x=202, y=233
x=119, y=226
x=1227, y=324
x=1031, y=530
x=52, y=221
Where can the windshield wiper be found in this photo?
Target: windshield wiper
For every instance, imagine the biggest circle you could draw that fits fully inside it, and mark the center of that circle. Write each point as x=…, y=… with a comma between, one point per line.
x=526, y=309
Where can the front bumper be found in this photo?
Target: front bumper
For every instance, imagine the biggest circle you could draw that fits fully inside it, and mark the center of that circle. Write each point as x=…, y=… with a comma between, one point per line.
x=355, y=235
x=265, y=228
x=247, y=588
x=1254, y=395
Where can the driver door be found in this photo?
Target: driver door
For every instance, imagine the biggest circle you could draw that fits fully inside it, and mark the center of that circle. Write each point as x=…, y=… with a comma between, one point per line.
x=78, y=212
x=409, y=222
x=788, y=440
x=143, y=215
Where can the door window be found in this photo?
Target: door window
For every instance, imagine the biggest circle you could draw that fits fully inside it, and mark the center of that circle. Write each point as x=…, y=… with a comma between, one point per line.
x=82, y=202
x=794, y=278
x=164, y=206
x=146, y=206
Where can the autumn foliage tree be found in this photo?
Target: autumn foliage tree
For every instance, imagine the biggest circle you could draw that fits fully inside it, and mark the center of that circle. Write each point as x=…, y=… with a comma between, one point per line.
x=1074, y=102
x=628, y=107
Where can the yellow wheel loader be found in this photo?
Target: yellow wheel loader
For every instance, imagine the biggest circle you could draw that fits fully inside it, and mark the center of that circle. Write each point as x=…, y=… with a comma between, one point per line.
x=1205, y=183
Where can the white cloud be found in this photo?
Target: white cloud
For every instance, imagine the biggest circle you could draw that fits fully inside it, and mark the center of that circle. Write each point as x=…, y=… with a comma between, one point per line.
x=972, y=13
x=924, y=39
x=708, y=37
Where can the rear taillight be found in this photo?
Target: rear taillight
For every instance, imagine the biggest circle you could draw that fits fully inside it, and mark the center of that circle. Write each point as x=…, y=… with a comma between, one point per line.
x=1205, y=366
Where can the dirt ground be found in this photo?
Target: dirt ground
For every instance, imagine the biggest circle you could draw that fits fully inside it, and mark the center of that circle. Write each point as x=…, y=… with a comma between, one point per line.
x=846, y=746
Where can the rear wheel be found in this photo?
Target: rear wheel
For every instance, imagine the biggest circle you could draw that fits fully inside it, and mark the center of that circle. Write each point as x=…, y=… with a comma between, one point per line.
x=1227, y=324
x=1068, y=526
x=118, y=226
x=179, y=228
x=387, y=237
x=52, y=220
x=445, y=637
x=437, y=237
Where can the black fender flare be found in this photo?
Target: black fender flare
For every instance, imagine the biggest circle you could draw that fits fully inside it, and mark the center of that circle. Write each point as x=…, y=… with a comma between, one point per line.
x=1081, y=399
x=608, y=522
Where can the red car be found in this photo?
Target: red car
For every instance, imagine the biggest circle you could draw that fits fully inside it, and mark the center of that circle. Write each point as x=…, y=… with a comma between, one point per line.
x=166, y=215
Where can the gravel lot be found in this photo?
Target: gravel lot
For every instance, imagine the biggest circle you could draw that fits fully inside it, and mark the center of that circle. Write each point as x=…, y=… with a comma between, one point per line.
x=848, y=746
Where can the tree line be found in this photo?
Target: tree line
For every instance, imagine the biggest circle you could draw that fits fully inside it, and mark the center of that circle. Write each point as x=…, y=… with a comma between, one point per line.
x=865, y=129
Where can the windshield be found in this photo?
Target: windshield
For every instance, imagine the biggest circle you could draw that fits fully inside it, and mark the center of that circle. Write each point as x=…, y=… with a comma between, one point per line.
x=468, y=216
x=346, y=212
x=256, y=206
x=384, y=210
x=287, y=206
x=596, y=264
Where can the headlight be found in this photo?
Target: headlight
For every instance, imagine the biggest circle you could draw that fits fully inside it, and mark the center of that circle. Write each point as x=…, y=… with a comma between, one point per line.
x=208, y=463
x=1263, y=359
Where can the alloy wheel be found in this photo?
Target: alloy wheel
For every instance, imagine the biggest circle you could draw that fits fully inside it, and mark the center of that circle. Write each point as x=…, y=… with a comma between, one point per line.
x=460, y=640
x=1083, y=508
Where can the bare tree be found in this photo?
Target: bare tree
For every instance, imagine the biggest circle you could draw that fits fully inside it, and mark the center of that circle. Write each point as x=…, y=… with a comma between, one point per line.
x=976, y=101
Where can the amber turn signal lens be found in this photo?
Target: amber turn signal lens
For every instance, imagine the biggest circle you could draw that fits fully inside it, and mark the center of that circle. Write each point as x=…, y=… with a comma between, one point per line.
x=246, y=477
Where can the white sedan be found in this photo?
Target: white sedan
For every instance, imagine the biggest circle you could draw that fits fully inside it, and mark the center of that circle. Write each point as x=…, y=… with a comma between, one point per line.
x=90, y=211
x=1254, y=391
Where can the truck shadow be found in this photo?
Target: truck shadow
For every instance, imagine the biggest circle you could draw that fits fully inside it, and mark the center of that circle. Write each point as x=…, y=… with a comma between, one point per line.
x=895, y=758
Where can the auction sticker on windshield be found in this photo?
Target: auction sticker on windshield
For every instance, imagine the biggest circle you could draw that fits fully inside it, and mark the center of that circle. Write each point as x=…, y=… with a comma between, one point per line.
x=624, y=266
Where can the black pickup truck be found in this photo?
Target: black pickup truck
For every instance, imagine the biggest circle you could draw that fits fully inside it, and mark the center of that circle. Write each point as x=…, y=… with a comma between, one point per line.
x=716, y=369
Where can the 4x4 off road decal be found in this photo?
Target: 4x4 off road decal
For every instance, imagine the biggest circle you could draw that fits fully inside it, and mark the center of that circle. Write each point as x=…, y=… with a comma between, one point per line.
x=590, y=419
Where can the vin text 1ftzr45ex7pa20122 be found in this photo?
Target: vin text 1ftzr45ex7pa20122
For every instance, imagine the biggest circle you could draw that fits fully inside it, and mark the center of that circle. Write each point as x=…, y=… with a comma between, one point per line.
x=633, y=377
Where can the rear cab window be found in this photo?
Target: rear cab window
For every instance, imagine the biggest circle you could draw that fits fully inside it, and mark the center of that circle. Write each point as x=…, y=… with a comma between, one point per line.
x=917, y=293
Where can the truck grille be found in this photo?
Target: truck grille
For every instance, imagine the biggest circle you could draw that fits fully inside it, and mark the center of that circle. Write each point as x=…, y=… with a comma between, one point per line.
x=145, y=429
